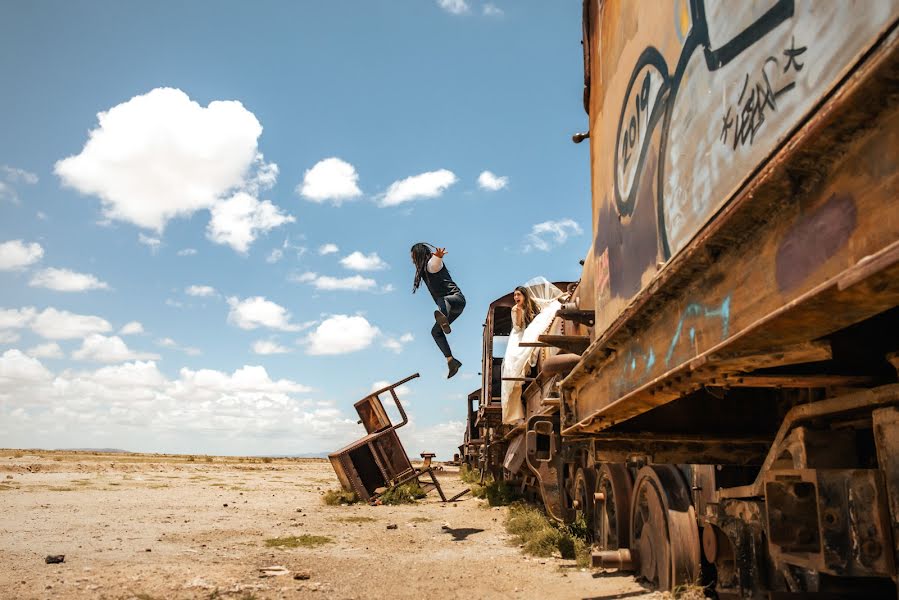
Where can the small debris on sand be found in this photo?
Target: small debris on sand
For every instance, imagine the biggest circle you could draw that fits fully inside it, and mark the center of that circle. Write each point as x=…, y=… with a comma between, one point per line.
x=53, y=559
x=392, y=526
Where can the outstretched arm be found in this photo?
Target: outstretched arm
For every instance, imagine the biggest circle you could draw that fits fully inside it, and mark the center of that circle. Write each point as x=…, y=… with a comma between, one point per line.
x=435, y=263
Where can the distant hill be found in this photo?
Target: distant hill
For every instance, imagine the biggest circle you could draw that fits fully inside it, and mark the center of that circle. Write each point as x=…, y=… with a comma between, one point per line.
x=103, y=450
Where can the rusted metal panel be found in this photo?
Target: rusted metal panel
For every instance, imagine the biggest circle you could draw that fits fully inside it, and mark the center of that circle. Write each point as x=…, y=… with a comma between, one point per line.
x=690, y=98
x=735, y=299
x=886, y=438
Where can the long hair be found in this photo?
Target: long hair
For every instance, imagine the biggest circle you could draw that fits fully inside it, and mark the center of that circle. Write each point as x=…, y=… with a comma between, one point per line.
x=529, y=308
x=420, y=255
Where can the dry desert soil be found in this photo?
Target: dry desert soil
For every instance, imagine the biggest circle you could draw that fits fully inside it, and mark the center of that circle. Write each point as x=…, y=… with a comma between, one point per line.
x=161, y=526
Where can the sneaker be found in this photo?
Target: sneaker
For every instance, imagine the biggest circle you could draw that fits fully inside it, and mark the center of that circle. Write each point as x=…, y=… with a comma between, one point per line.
x=453, y=367
x=442, y=321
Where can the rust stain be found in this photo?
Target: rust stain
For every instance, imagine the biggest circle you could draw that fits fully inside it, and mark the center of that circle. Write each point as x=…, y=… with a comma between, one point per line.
x=814, y=238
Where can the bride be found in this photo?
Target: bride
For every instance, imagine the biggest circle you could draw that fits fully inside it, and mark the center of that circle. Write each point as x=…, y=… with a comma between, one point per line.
x=536, y=303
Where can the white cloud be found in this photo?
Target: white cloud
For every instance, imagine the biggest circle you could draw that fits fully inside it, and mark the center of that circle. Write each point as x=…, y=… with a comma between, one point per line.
x=149, y=241
x=266, y=347
x=187, y=252
x=397, y=344
x=328, y=249
x=64, y=280
x=492, y=10
x=12, y=176
x=276, y=255
x=132, y=328
x=341, y=334
x=17, y=369
x=134, y=403
x=454, y=7
x=545, y=235
x=425, y=185
x=9, y=337
x=255, y=312
x=12, y=318
x=201, y=291
x=242, y=218
x=354, y=283
x=491, y=182
x=170, y=343
x=100, y=348
x=48, y=350
x=361, y=262
x=331, y=179
x=15, y=175
x=161, y=155
x=15, y=255
x=55, y=324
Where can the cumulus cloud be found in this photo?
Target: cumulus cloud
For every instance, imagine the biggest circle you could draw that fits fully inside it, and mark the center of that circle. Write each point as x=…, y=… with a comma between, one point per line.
x=328, y=249
x=355, y=283
x=238, y=221
x=454, y=7
x=132, y=328
x=341, y=334
x=491, y=182
x=13, y=318
x=112, y=349
x=15, y=255
x=48, y=350
x=255, y=312
x=266, y=347
x=330, y=180
x=9, y=337
x=134, y=400
x=362, y=262
x=200, y=291
x=426, y=185
x=55, y=324
x=544, y=236
x=161, y=155
x=64, y=280
x=17, y=369
x=396, y=344
x=492, y=10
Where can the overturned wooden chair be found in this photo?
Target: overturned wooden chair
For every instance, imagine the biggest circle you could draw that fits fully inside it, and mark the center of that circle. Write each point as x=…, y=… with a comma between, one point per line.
x=378, y=462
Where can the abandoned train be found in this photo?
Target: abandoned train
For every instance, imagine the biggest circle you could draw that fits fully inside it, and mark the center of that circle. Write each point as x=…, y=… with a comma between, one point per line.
x=717, y=396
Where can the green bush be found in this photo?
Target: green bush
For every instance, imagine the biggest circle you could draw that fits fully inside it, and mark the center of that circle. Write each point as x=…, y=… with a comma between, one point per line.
x=469, y=475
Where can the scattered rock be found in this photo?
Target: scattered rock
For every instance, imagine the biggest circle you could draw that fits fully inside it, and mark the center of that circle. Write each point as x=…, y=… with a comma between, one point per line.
x=273, y=571
x=392, y=526
x=302, y=576
x=225, y=505
x=53, y=559
x=148, y=550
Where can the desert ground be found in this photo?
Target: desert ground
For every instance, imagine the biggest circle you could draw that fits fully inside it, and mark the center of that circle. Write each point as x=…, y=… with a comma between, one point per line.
x=162, y=526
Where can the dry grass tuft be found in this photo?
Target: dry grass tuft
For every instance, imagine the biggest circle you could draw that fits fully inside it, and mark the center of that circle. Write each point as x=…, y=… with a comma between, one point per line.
x=299, y=541
x=541, y=537
x=359, y=519
x=408, y=493
x=339, y=497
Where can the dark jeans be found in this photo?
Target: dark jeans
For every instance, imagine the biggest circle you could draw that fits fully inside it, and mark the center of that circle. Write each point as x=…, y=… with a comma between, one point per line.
x=452, y=307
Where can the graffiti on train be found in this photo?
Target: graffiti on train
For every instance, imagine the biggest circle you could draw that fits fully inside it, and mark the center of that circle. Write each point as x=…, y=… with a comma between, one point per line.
x=694, y=125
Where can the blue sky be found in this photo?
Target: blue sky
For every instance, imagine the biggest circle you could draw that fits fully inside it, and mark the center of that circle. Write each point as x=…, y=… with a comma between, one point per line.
x=221, y=263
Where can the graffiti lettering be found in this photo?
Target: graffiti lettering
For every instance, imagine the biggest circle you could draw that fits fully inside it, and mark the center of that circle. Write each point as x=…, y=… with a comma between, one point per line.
x=757, y=97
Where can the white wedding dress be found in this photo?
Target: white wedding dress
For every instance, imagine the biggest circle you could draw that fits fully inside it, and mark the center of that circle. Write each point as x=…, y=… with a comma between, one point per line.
x=517, y=359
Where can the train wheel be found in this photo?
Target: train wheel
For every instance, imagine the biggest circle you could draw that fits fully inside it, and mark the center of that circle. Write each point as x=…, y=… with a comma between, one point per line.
x=612, y=508
x=582, y=500
x=664, y=535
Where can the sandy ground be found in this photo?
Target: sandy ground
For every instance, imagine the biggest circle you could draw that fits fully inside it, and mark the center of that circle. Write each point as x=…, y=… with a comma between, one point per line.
x=159, y=527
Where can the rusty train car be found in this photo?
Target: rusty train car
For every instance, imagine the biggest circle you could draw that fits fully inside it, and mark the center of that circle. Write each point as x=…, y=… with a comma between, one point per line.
x=718, y=397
